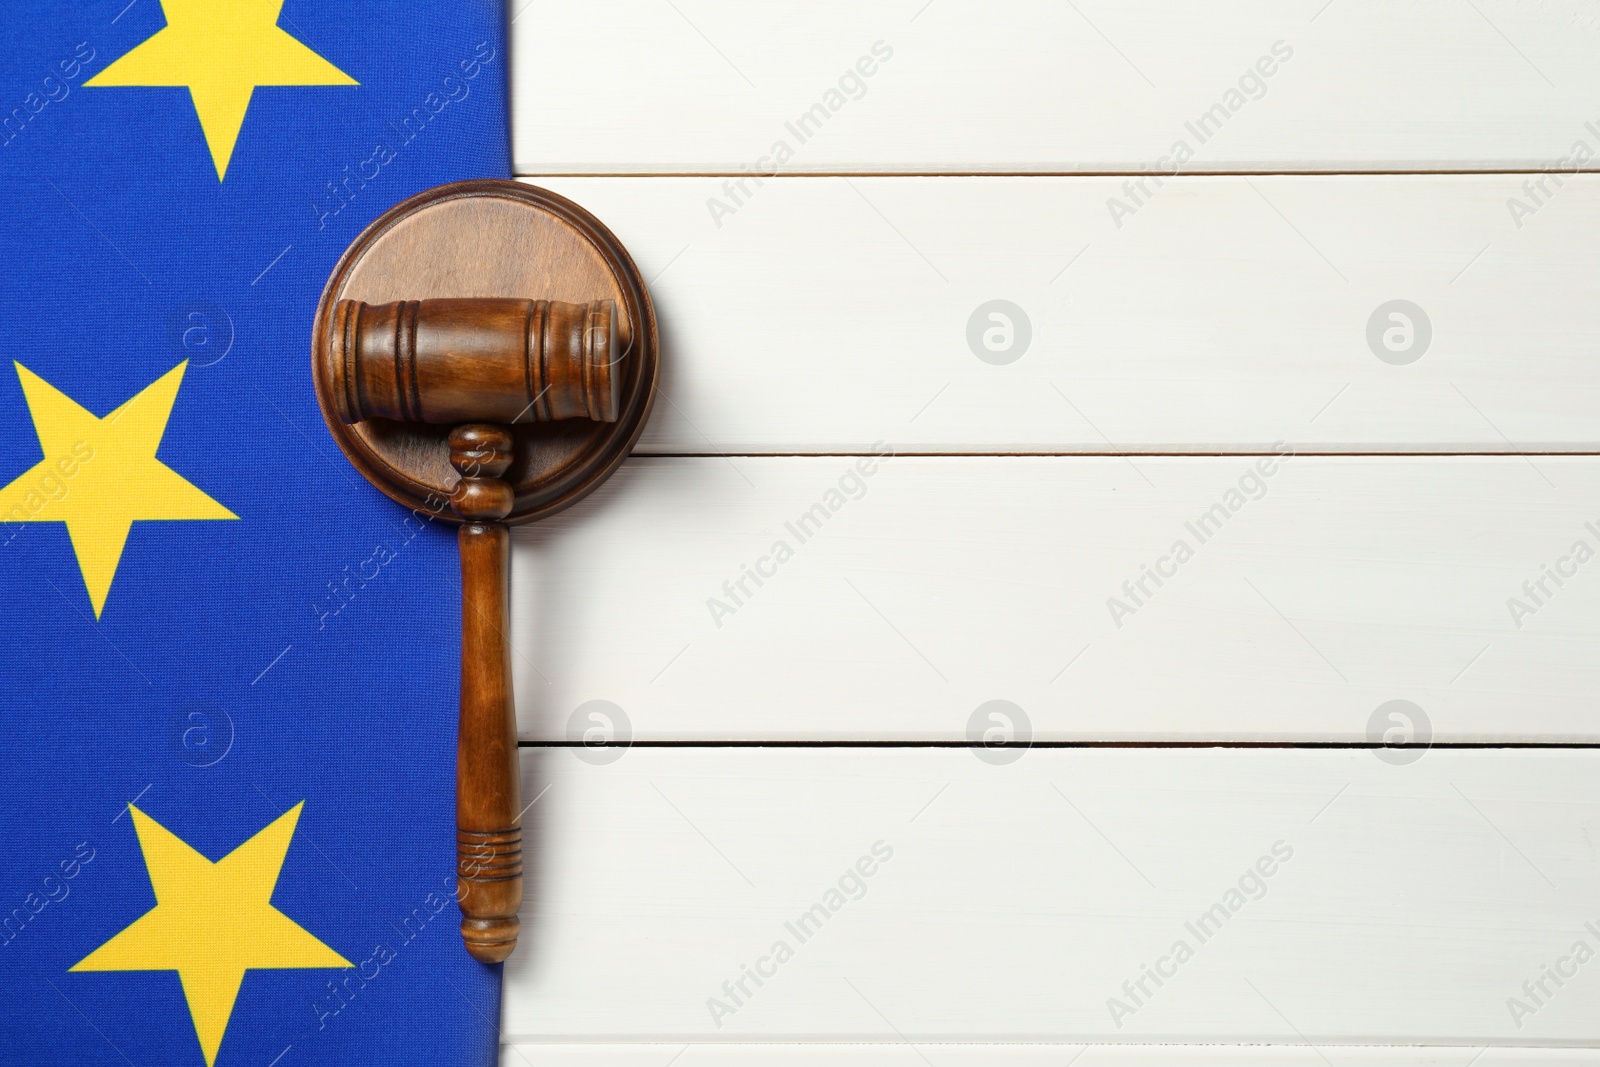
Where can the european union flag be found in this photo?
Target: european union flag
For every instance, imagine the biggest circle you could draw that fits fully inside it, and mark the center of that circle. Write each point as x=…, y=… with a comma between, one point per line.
x=229, y=665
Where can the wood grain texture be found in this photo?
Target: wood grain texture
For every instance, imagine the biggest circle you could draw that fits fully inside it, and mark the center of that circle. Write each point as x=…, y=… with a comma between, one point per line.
x=909, y=596
x=1404, y=904
x=488, y=798
x=1032, y=85
x=444, y=312
x=959, y=598
x=487, y=239
x=493, y=359
x=1227, y=314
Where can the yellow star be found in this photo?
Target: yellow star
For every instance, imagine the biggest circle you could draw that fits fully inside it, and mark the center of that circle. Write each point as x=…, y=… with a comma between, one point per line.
x=99, y=475
x=212, y=922
x=221, y=50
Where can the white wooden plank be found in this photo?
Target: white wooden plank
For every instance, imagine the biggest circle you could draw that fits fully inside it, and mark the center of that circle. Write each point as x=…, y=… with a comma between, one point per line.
x=1404, y=904
x=938, y=584
x=1227, y=314
x=1031, y=85
x=1036, y=1055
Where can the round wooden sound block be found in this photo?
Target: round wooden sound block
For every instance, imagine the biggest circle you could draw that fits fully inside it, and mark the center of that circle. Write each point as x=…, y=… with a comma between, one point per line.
x=493, y=239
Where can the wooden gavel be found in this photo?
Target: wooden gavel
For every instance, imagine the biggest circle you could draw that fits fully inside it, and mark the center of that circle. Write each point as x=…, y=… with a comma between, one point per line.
x=492, y=343
x=480, y=365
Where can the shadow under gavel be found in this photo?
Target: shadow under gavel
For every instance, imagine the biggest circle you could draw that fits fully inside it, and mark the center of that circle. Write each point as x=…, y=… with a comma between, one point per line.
x=480, y=365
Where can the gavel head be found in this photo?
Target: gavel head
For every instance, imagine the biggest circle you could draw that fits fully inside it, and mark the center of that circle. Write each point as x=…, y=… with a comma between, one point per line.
x=474, y=360
x=482, y=306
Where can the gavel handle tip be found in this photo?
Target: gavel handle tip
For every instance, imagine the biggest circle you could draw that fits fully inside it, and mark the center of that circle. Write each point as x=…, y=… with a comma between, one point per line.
x=491, y=940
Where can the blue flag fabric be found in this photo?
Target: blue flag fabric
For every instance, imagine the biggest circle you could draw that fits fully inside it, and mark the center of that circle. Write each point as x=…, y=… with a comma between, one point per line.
x=228, y=666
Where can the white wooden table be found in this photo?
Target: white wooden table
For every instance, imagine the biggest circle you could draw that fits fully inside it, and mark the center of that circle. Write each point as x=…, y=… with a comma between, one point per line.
x=1310, y=289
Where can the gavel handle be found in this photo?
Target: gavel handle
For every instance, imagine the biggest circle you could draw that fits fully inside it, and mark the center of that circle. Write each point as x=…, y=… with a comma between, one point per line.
x=488, y=797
